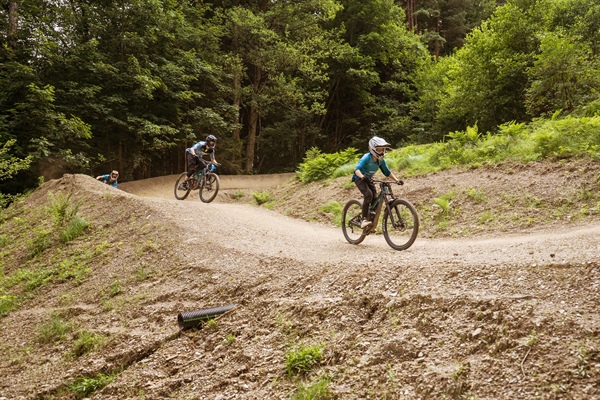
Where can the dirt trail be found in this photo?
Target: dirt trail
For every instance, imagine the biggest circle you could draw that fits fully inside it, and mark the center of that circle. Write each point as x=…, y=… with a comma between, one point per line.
x=260, y=231
x=506, y=316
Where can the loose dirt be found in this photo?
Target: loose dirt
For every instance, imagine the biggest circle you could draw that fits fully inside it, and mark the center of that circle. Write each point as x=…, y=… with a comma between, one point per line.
x=497, y=298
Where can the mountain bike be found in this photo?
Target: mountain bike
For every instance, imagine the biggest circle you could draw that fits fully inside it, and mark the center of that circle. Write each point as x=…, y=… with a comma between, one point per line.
x=400, y=224
x=205, y=180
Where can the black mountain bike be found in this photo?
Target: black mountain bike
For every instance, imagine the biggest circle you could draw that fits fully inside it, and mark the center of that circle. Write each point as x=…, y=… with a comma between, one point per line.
x=205, y=180
x=400, y=223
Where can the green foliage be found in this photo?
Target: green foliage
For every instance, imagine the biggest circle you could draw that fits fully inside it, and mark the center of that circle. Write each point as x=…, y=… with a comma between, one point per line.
x=7, y=303
x=87, y=342
x=11, y=165
x=302, y=359
x=61, y=209
x=317, y=165
x=445, y=201
x=55, y=329
x=64, y=213
x=75, y=228
x=83, y=387
x=335, y=208
x=262, y=197
x=39, y=243
x=314, y=390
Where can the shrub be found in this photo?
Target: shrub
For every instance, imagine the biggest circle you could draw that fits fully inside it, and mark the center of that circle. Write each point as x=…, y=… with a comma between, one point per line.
x=261, y=197
x=87, y=342
x=318, y=165
x=82, y=387
x=302, y=359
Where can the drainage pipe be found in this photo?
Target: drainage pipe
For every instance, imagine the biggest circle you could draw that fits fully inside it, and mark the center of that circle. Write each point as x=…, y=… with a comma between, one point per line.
x=191, y=319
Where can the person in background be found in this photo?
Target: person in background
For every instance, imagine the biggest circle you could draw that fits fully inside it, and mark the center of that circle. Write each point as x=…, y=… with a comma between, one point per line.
x=365, y=169
x=110, y=179
x=194, y=157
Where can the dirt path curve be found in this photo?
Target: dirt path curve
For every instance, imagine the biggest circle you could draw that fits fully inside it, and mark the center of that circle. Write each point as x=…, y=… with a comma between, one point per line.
x=256, y=230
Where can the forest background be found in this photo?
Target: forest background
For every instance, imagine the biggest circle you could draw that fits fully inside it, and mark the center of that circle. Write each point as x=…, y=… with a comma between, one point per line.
x=87, y=86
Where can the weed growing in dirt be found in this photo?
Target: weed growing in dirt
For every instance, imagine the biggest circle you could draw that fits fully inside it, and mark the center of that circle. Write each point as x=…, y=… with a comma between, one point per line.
x=583, y=355
x=262, y=197
x=115, y=289
x=7, y=303
x=444, y=202
x=238, y=194
x=55, y=329
x=39, y=243
x=475, y=194
x=334, y=208
x=141, y=273
x=83, y=387
x=317, y=389
x=486, y=217
x=87, y=342
x=229, y=339
x=302, y=359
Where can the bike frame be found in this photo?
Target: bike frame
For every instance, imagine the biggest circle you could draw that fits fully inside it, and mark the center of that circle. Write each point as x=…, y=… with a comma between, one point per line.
x=198, y=175
x=385, y=196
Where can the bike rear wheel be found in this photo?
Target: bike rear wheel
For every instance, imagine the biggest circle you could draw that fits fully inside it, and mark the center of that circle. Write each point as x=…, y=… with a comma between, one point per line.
x=351, y=219
x=180, y=192
x=209, y=187
x=401, y=228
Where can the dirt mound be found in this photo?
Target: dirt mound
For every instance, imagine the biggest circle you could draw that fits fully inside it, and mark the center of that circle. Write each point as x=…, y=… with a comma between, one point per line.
x=511, y=316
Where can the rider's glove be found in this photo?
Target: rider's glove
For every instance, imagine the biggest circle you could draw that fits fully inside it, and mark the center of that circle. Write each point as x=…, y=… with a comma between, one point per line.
x=366, y=179
x=400, y=182
x=218, y=164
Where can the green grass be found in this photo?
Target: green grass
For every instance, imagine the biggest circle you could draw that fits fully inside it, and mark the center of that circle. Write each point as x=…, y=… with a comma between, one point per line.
x=262, y=197
x=82, y=387
x=314, y=390
x=87, y=342
x=302, y=359
x=335, y=209
x=55, y=329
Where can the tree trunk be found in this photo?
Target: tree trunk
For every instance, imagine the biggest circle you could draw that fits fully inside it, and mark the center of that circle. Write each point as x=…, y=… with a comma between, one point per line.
x=13, y=22
x=237, y=103
x=253, y=123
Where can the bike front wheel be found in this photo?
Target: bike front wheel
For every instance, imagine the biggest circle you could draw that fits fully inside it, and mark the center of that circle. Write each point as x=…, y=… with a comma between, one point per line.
x=351, y=219
x=209, y=187
x=400, y=224
x=181, y=190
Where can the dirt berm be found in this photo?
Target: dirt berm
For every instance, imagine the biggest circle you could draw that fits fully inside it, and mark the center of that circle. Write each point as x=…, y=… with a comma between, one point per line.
x=497, y=299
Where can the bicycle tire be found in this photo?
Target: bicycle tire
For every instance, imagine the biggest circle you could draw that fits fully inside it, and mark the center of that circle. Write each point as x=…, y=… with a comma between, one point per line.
x=406, y=219
x=209, y=187
x=181, y=194
x=351, y=219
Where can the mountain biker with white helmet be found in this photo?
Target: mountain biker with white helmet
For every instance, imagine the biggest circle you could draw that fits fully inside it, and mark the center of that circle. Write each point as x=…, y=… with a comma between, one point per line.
x=365, y=169
x=194, y=156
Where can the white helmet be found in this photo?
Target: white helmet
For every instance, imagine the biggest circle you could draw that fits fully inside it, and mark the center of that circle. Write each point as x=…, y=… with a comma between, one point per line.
x=377, y=142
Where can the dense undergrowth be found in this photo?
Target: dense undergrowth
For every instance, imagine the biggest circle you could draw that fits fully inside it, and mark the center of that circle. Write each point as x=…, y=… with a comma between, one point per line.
x=555, y=138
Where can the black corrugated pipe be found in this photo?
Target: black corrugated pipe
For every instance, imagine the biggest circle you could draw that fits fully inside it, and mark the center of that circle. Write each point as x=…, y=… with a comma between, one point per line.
x=191, y=319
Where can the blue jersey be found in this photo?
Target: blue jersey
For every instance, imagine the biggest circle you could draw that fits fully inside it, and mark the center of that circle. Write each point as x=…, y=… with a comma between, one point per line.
x=368, y=167
x=107, y=179
x=201, y=149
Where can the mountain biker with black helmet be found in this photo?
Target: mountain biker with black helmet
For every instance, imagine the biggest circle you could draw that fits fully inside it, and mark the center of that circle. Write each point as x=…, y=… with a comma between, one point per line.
x=365, y=169
x=194, y=155
x=110, y=179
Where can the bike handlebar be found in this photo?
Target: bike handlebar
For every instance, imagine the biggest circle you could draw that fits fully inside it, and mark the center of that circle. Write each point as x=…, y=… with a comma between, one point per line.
x=398, y=182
